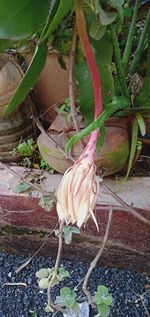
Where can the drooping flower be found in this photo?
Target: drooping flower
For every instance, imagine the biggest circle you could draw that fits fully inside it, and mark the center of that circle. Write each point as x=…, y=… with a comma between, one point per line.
x=78, y=190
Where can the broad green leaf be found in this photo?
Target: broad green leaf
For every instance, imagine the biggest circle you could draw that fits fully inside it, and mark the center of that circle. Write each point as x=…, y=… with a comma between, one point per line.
x=30, y=77
x=63, y=8
x=141, y=123
x=43, y=283
x=103, y=310
x=21, y=19
x=90, y=6
x=4, y=44
x=42, y=273
x=106, y=18
x=118, y=103
x=20, y=188
x=97, y=30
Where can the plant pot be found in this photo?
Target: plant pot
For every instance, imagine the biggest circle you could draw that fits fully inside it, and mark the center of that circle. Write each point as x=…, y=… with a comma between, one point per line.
x=52, y=85
x=17, y=124
x=112, y=157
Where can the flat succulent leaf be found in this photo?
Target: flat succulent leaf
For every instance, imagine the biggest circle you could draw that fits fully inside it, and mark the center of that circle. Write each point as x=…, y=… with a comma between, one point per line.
x=49, y=309
x=21, y=19
x=106, y=18
x=118, y=103
x=20, y=188
x=29, y=79
x=141, y=123
x=97, y=30
x=62, y=9
x=107, y=300
x=133, y=147
x=42, y=273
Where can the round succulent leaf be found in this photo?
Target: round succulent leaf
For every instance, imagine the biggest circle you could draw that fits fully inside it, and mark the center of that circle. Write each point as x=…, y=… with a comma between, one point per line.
x=49, y=309
x=107, y=299
x=103, y=310
x=42, y=273
x=102, y=290
x=44, y=282
x=65, y=291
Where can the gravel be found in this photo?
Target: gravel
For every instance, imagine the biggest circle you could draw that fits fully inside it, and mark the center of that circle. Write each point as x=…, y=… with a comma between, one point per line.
x=21, y=301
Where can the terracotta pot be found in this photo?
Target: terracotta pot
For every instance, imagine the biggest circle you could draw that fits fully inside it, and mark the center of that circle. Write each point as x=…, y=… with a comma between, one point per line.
x=112, y=157
x=17, y=124
x=52, y=85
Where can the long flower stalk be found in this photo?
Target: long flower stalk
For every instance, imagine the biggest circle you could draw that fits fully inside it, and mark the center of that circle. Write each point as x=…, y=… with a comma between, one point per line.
x=79, y=189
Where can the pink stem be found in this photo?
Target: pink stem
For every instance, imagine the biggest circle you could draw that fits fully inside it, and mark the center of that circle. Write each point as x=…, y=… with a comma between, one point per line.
x=81, y=27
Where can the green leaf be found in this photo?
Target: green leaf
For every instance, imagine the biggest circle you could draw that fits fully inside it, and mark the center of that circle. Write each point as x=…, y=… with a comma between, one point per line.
x=20, y=188
x=141, y=123
x=67, y=233
x=63, y=273
x=106, y=18
x=117, y=103
x=65, y=291
x=103, y=310
x=116, y=3
x=25, y=149
x=47, y=202
x=102, y=290
x=97, y=30
x=133, y=147
x=101, y=139
x=42, y=273
x=49, y=309
x=30, y=77
x=44, y=283
x=107, y=300
x=62, y=10
x=21, y=19
x=90, y=6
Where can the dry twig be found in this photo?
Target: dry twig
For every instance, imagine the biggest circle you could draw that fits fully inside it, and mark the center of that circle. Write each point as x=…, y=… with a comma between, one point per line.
x=39, y=125
x=71, y=83
x=21, y=267
x=94, y=262
x=50, y=301
x=128, y=208
x=21, y=178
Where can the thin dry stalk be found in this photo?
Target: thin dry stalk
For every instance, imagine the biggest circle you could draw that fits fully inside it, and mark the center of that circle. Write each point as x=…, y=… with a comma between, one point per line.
x=39, y=125
x=21, y=178
x=50, y=301
x=94, y=262
x=71, y=83
x=128, y=208
x=21, y=267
